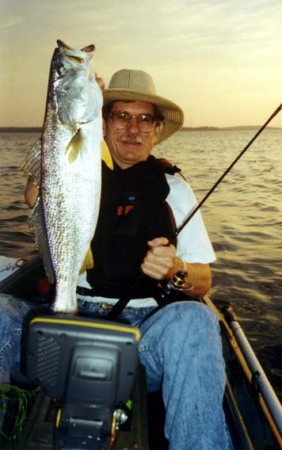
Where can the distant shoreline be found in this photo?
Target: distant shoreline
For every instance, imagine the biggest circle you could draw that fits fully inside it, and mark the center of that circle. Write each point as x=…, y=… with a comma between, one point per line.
x=20, y=129
x=239, y=128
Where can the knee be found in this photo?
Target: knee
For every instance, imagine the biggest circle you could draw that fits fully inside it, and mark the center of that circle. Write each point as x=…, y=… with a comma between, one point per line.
x=6, y=324
x=12, y=313
x=192, y=324
x=182, y=321
x=194, y=313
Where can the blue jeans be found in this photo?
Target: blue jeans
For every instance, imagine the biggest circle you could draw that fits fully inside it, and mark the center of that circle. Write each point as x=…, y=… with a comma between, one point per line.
x=181, y=351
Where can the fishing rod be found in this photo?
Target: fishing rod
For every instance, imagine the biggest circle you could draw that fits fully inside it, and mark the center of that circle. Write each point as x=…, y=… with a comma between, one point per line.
x=189, y=217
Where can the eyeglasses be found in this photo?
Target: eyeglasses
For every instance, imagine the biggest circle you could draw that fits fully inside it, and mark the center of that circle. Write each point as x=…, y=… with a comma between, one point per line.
x=122, y=120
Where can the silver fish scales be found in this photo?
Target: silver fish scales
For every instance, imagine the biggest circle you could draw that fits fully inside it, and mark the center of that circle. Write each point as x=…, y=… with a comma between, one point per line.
x=70, y=170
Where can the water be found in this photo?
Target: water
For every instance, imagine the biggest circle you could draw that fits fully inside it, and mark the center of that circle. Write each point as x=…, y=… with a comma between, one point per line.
x=243, y=217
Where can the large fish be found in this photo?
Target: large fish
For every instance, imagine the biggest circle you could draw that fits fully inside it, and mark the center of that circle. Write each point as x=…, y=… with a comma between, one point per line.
x=70, y=180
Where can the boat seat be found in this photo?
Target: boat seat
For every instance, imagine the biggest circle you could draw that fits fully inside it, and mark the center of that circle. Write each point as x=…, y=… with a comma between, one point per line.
x=88, y=367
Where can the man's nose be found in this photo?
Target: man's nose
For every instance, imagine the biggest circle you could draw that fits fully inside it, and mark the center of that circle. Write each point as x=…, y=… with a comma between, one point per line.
x=133, y=125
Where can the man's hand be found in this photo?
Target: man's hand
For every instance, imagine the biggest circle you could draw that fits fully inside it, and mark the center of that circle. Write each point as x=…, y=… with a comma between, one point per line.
x=100, y=81
x=31, y=193
x=162, y=263
x=159, y=259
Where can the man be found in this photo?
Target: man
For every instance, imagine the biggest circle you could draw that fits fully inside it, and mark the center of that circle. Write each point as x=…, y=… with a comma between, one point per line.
x=136, y=255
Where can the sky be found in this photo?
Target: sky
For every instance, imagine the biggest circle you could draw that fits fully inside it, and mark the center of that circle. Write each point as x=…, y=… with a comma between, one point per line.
x=220, y=60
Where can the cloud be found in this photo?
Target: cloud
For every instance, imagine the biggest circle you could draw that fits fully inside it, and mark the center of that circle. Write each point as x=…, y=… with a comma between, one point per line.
x=195, y=49
x=10, y=23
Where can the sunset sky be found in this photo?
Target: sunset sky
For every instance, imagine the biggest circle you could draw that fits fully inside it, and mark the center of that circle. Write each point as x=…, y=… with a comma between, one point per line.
x=220, y=60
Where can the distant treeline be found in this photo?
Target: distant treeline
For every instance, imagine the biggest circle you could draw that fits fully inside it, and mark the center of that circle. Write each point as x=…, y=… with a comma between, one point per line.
x=20, y=129
x=240, y=127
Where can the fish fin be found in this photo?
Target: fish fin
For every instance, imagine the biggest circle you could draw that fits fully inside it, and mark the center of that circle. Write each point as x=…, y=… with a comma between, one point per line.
x=74, y=147
x=37, y=223
x=88, y=262
x=106, y=155
x=32, y=163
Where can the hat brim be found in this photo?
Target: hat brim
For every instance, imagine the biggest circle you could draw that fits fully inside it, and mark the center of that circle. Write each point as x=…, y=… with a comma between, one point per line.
x=173, y=114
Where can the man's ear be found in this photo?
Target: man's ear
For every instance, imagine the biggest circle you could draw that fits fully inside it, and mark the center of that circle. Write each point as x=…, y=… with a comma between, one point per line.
x=159, y=129
x=104, y=125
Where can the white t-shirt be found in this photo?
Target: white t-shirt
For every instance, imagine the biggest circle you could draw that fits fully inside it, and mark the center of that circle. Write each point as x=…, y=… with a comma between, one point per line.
x=193, y=243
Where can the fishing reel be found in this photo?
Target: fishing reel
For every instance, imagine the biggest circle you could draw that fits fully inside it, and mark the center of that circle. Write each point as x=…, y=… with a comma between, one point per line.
x=177, y=284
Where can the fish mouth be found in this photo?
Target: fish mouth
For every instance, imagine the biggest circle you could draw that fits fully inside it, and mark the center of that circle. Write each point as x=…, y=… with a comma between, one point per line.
x=66, y=48
x=73, y=55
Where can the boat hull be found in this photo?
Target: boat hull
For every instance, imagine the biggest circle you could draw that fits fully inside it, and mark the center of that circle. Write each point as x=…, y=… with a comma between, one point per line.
x=252, y=422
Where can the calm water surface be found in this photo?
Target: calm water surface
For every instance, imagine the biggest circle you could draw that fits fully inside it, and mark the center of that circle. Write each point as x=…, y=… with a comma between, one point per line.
x=243, y=217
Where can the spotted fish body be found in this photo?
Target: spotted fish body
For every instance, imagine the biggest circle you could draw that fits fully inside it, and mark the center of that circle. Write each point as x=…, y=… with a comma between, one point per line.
x=70, y=170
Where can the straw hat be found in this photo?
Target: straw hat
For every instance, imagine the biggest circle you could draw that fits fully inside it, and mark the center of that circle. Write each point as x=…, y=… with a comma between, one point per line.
x=137, y=85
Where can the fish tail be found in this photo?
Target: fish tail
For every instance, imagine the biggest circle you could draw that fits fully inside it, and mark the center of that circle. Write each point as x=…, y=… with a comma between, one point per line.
x=62, y=305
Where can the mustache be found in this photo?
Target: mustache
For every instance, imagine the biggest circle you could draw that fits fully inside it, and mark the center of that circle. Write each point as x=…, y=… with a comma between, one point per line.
x=132, y=139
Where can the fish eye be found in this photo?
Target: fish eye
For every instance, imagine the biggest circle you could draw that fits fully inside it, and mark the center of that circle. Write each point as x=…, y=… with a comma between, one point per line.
x=61, y=71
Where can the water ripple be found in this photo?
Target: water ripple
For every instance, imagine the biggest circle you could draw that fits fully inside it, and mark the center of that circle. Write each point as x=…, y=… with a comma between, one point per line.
x=243, y=217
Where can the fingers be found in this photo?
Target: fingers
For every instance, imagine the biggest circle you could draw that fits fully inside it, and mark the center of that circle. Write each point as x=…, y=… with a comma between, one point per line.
x=31, y=193
x=158, y=241
x=100, y=81
x=159, y=259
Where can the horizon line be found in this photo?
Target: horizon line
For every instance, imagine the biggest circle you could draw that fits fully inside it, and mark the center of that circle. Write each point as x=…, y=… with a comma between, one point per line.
x=184, y=128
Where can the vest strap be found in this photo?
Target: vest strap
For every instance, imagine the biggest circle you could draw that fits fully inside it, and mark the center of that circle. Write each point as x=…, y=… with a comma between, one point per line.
x=118, y=308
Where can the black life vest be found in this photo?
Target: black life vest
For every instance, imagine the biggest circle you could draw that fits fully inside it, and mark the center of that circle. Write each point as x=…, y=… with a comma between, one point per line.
x=133, y=210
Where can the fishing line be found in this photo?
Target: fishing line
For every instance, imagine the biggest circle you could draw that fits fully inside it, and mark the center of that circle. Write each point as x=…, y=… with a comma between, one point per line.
x=189, y=217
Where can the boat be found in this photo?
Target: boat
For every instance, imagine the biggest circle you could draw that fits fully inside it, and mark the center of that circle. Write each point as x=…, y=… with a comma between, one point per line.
x=252, y=408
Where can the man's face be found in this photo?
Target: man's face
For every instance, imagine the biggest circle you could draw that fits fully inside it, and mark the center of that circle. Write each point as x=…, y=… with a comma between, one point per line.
x=130, y=145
